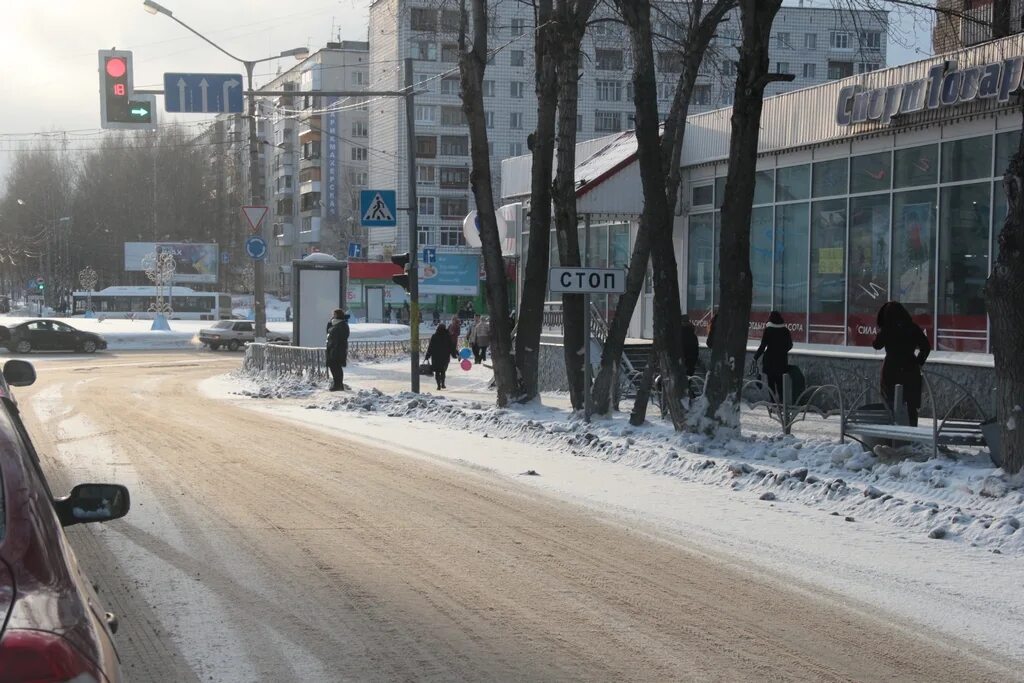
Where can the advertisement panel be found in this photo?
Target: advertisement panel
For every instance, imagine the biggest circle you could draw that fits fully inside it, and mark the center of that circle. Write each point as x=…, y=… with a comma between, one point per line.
x=451, y=274
x=195, y=262
x=333, y=149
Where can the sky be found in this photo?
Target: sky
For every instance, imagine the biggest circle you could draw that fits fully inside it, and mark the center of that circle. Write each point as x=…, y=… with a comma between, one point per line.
x=50, y=50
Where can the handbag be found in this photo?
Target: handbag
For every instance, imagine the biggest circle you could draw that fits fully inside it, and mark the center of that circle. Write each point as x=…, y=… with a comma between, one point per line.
x=426, y=369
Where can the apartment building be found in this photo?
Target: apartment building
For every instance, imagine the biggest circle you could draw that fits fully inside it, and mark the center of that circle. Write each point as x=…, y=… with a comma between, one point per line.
x=313, y=158
x=963, y=23
x=815, y=44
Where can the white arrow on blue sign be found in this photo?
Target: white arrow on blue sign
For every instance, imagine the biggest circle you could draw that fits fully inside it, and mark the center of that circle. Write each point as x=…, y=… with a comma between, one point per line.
x=203, y=93
x=256, y=247
x=355, y=250
x=429, y=255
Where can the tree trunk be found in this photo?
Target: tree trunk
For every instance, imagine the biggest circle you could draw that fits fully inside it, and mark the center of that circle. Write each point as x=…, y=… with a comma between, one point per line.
x=699, y=34
x=725, y=377
x=472, y=63
x=656, y=216
x=531, y=307
x=1004, y=292
x=566, y=220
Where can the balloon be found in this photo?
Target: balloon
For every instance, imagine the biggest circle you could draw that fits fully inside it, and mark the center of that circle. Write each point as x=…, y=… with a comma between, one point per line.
x=466, y=364
x=465, y=353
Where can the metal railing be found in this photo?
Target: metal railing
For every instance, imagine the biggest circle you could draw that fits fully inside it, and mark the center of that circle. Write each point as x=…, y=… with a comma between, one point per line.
x=310, y=363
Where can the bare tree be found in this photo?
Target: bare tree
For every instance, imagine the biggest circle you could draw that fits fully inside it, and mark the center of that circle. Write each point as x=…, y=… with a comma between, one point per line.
x=698, y=28
x=542, y=145
x=472, y=64
x=720, y=402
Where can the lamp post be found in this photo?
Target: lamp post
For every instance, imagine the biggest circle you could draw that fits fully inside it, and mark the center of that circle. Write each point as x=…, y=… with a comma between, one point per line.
x=255, y=190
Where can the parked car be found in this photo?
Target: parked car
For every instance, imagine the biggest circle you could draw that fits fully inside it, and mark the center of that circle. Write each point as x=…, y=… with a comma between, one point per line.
x=52, y=624
x=49, y=335
x=234, y=334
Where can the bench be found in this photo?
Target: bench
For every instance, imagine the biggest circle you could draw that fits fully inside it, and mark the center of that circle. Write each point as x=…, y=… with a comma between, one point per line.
x=876, y=423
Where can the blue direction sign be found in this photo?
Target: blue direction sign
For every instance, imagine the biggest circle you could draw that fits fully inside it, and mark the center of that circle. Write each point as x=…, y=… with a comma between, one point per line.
x=203, y=93
x=256, y=247
x=355, y=250
x=377, y=209
x=225, y=257
x=429, y=255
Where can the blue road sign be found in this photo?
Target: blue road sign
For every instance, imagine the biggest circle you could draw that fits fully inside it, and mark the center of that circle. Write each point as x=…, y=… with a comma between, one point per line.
x=355, y=250
x=203, y=93
x=377, y=209
x=225, y=257
x=429, y=255
x=256, y=247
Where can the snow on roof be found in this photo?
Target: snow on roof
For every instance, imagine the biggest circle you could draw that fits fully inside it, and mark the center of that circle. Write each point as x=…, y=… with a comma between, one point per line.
x=319, y=256
x=619, y=151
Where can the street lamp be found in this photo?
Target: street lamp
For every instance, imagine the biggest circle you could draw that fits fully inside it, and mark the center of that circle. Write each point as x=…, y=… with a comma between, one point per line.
x=255, y=191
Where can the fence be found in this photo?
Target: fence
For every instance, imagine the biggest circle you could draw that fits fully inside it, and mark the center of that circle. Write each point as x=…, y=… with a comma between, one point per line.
x=310, y=363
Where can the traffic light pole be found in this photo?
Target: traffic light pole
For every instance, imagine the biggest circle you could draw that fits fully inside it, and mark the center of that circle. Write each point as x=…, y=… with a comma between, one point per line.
x=413, y=213
x=255, y=199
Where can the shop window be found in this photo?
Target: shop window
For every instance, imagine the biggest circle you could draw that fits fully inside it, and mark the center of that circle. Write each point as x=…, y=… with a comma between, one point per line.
x=828, y=272
x=869, y=266
x=790, y=258
x=703, y=195
x=870, y=172
x=1006, y=147
x=764, y=187
x=700, y=265
x=967, y=159
x=719, y=191
x=963, y=267
x=829, y=178
x=913, y=248
x=915, y=166
x=792, y=183
x=762, y=256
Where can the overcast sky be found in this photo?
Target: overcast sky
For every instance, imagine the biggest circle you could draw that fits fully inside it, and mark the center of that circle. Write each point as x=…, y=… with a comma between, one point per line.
x=49, y=47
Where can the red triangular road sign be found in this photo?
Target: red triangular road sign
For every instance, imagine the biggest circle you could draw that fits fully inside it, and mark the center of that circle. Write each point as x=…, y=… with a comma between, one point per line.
x=255, y=216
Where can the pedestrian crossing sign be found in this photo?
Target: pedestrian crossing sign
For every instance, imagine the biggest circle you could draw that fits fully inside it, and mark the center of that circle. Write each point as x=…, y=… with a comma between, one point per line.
x=377, y=208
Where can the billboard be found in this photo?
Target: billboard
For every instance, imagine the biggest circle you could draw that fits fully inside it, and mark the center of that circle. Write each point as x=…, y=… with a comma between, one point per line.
x=195, y=262
x=451, y=274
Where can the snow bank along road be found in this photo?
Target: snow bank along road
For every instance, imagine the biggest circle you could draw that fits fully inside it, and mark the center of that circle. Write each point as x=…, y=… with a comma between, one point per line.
x=262, y=549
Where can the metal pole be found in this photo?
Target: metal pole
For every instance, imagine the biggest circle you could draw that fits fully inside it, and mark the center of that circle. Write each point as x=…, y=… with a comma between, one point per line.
x=255, y=199
x=414, y=276
x=586, y=322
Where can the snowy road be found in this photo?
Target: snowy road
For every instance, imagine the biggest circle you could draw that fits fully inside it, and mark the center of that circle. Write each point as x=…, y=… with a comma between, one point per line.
x=258, y=548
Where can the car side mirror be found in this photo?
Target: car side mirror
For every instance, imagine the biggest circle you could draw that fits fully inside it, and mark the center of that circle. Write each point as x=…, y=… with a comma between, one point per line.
x=93, y=503
x=19, y=373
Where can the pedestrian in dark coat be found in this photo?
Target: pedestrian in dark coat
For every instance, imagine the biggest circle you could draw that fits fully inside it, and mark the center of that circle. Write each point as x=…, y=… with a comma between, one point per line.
x=711, y=331
x=691, y=347
x=454, y=330
x=775, y=345
x=906, y=350
x=440, y=351
x=337, y=348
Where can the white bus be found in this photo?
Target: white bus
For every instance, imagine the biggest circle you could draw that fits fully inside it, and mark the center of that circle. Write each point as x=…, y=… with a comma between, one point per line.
x=135, y=302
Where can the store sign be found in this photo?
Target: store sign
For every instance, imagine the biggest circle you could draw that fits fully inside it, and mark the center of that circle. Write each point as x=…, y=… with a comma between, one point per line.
x=944, y=86
x=332, y=161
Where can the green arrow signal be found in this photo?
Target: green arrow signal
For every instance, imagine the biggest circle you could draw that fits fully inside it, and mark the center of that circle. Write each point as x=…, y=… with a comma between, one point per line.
x=140, y=111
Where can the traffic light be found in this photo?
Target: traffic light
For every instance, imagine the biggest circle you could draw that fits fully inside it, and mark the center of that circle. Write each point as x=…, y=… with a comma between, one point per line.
x=40, y=285
x=402, y=261
x=119, y=106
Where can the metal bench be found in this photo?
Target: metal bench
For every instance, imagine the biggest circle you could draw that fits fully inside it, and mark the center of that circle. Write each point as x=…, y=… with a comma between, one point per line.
x=875, y=422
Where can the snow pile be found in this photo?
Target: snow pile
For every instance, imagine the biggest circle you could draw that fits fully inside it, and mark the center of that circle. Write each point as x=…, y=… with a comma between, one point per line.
x=962, y=499
x=277, y=388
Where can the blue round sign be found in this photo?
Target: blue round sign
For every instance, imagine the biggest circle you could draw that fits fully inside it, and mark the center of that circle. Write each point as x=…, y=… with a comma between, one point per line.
x=256, y=247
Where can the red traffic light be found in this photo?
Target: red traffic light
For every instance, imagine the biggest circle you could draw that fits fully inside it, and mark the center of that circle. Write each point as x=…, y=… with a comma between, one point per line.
x=116, y=67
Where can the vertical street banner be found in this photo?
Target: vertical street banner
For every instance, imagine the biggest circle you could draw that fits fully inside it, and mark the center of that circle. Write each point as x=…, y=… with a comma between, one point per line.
x=332, y=161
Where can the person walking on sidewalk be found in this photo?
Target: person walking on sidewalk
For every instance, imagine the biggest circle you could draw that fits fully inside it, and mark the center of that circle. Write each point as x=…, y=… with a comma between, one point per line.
x=454, y=330
x=337, y=348
x=906, y=350
x=481, y=339
x=440, y=351
x=776, y=343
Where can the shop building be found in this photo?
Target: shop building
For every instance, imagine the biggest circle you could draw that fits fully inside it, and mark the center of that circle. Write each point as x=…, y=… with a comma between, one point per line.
x=881, y=186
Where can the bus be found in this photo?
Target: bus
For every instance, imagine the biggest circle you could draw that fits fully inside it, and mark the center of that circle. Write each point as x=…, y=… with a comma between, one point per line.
x=135, y=302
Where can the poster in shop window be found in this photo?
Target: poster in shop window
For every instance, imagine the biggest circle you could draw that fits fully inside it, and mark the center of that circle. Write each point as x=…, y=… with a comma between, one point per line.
x=915, y=279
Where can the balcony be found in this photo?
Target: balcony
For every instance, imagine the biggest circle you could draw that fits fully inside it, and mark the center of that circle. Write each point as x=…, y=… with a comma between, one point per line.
x=309, y=186
x=284, y=234
x=312, y=161
x=310, y=124
x=310, y=231
x=307, y=135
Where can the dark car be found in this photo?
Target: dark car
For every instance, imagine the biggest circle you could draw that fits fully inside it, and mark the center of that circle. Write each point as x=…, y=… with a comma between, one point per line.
x=49, y=335
x=52, y=625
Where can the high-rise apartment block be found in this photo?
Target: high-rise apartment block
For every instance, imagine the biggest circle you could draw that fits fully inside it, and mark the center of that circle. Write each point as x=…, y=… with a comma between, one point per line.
x=963, y=23
x=815, y=44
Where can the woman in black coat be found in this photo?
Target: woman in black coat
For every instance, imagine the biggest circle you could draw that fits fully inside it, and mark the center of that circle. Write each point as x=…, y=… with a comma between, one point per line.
x=906, y=349
x=440, y=351
x=775, y=345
